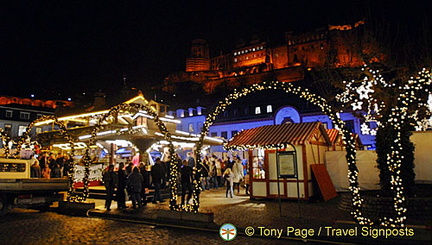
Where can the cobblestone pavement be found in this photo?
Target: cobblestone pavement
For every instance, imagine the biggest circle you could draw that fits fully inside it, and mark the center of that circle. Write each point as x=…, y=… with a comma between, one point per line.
x=24, y=227
x=316, y=216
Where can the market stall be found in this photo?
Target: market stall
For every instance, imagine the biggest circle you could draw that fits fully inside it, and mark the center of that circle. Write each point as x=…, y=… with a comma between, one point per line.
x=282, y=155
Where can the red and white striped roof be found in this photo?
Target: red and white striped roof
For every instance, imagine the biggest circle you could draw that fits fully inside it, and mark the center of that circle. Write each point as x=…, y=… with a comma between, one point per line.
x=292, y=133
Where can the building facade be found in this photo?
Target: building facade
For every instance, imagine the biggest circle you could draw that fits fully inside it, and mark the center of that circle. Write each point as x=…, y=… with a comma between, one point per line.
x=16, y=113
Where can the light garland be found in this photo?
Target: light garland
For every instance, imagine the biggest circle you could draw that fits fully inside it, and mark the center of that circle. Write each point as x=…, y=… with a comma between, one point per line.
x=6, y=139
x=408, y=96
x=136, y=108
x=71, y=195
x=304, y=93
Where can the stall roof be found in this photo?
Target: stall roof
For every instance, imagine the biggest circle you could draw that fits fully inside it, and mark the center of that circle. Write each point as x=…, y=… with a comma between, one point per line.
x=293, y=133
x=336, y=137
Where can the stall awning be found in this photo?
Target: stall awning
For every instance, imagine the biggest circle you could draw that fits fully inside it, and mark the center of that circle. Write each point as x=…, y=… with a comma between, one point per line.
x=275, y=135
x=333, y=134
x=336, y=137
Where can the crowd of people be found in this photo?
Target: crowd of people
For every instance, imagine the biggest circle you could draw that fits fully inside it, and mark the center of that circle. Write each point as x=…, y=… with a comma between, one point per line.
x=133, y=181
x=49, y=165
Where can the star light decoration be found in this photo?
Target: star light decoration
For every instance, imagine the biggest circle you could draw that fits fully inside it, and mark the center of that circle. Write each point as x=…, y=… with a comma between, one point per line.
x=409, y=95
x=304, y=93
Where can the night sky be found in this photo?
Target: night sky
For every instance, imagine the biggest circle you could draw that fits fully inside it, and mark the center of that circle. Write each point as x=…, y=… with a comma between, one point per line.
x=60, y=49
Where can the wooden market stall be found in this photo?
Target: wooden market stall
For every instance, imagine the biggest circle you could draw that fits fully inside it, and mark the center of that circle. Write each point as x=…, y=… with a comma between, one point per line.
x=273, y=146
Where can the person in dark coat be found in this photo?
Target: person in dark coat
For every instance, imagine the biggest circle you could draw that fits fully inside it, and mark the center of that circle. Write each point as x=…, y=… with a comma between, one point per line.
x=60, y=161
x=186, y=181
x=68, y=164
x=157, y=177
x=134, y=184
x=144, y=185
x=110, y=181
x=121, y=187
x=56, y=171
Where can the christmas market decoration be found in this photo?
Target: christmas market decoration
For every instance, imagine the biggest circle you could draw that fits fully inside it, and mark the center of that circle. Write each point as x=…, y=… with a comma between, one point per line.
x=71, y=195
x=6, y=140
x=152, y=113
x=304, y=93
x=408, y=109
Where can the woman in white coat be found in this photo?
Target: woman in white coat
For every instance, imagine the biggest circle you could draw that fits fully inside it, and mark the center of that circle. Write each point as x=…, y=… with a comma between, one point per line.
x=238, y=173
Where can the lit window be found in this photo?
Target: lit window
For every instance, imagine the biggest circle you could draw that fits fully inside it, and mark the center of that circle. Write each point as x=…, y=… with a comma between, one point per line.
x=257, y=110
x=258, y=169
x=235, y=59
x=38, y=130
x=253, y=49
x=8, y=129
x=9, y=113
x=269, y=109
x=21, y=130
x=191, y=127
x=235, y=53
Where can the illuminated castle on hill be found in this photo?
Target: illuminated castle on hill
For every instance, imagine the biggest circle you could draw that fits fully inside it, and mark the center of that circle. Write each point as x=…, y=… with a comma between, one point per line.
x=257, y=61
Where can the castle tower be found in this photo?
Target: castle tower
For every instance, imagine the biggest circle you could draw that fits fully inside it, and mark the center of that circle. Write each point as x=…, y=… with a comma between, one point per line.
x=199, y=59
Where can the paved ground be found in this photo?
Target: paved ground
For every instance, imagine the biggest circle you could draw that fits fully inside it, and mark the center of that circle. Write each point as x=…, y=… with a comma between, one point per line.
x=24, y=227
x=264, y=217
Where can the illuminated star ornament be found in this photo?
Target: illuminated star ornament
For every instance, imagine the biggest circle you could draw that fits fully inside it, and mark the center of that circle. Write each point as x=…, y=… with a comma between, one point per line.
x=365, y=130
x=357, y=105
x=364, y=91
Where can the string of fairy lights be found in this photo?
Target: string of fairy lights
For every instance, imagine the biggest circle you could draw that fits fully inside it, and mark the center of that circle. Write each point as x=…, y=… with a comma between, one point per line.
x=124, y=108
x=71, y=195
x=5, y=139
x=360, y=97
x=304, y=93
x=410, y=95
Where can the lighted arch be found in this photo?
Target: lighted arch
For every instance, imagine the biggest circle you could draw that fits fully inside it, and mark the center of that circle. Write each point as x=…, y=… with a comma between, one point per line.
x=325, y=108
x=167, y=136
x=71, y=195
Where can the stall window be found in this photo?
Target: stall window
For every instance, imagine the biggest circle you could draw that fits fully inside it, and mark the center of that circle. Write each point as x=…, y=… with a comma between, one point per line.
x=258, y=166
x=258, y=170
